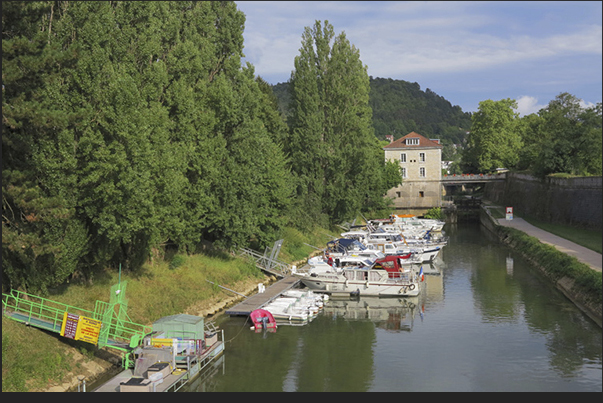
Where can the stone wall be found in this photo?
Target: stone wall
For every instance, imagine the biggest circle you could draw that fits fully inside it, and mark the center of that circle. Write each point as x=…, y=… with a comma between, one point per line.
x=571, y=201
x=416, y=195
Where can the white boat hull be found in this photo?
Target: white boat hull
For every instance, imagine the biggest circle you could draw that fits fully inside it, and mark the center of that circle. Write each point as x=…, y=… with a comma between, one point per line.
x=352, y=282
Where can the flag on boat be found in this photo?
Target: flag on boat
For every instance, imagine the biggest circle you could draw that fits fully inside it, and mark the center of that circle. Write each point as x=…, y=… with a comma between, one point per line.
x=421, y=275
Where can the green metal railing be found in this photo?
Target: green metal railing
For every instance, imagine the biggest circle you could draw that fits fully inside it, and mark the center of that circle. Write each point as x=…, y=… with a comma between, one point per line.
x=117, y=331
x=37, y=311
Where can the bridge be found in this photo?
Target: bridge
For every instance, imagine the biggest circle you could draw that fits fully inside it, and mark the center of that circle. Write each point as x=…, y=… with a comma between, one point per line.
x=463, y=179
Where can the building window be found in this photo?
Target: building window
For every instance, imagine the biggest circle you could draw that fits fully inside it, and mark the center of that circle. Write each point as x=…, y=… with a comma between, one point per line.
x=421, y=157
x=421, y=194
x=413, y=141
x=403, y=157
x=422, y=172
x=403, y=172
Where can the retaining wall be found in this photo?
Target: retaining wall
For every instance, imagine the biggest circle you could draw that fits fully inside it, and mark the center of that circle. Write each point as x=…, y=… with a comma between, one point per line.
x=570, y=201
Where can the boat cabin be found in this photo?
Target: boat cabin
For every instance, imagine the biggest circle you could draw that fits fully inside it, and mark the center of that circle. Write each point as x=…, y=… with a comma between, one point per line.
x=175, y=342
x=344, y=245
x=380, y=237
x=392, y=264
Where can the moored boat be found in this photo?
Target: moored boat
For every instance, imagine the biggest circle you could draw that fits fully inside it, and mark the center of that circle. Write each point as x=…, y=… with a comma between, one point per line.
x=287, y=311
x=386, y=278
x=262, y=320
x=178, y=350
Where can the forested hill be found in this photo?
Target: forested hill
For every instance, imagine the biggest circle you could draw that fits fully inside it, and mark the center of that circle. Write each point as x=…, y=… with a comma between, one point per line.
x=400, y=107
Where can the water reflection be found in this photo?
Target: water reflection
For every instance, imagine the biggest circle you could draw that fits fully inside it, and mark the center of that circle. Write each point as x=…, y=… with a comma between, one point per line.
x=487, y=322
x=392, y=314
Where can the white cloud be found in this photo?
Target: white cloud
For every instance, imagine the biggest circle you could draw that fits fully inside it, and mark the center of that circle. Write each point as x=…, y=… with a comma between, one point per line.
x=474, y=50
x=399, y=38
x=527, y=105
x=586, y=105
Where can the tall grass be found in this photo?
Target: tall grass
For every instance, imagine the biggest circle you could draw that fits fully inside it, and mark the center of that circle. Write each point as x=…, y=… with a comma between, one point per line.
x=161, y=288
x=32, y=358
x=298, y=246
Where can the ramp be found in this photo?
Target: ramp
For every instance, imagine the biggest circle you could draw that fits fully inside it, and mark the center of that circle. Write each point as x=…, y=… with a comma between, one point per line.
x=115, y=330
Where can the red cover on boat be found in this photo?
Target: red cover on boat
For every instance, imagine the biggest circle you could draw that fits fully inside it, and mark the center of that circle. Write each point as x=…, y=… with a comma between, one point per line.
x=261, y=316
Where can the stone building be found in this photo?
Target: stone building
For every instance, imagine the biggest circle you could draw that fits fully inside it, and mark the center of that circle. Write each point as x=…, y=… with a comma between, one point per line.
x=421, y=161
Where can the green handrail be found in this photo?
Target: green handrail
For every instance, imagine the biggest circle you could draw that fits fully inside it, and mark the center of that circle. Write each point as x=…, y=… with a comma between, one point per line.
x=45, y=313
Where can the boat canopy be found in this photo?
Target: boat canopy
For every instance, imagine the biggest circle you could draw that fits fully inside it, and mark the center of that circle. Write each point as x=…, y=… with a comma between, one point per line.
x=343, y=245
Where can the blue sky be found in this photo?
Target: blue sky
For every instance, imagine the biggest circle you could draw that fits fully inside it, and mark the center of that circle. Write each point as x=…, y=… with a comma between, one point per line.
x=466, y=52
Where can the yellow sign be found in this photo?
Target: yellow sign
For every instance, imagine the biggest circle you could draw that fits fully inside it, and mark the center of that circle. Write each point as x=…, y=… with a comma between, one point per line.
x=80, y=328
x=160, y=343
x=88, y=330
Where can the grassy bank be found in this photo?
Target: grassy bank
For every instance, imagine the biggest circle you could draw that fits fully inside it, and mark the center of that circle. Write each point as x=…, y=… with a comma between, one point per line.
x=585, y=284
x=554, y=263
x=34, y=360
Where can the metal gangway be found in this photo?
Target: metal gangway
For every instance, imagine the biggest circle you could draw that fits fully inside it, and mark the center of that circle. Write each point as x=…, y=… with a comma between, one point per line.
x=268, y=261
x=109, y=324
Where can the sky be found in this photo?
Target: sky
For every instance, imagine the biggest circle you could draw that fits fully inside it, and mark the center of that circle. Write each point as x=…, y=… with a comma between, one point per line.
x=464, y=51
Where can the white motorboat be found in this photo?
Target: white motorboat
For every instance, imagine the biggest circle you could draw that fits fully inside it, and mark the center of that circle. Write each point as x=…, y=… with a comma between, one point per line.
x=307, y=295
x=407, y=221
x=386, y=278
x=419, y=254
x=287, y=311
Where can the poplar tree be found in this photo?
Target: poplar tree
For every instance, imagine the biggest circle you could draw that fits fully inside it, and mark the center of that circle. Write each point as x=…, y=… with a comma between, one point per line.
x=43, y=239
x=336, y=159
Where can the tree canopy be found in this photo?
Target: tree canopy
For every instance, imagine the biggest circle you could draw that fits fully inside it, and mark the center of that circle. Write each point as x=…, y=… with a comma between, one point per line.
x=566, y=137
x=336, y=159
x=127, y=126
x=494, y=140
x=563, y=137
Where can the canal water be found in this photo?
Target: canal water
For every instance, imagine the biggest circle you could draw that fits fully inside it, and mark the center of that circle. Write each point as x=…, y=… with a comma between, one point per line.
x=488, y=322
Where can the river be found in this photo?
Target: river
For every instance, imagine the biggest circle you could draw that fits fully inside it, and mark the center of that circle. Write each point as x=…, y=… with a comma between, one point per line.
x=487, y=322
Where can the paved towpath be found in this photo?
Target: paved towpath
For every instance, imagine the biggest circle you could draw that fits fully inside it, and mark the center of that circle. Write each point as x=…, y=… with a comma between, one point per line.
x=585, y=255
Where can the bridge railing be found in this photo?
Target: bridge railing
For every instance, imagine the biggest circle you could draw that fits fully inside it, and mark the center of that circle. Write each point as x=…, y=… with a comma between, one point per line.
x=266, y=263
x=473, y=177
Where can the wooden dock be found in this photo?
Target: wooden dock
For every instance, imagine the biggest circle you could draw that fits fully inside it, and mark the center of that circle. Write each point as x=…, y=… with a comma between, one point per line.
x=258, y=300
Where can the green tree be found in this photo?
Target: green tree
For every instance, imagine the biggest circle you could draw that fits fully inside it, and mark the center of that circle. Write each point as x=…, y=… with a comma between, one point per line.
x=494, y=141
x=570, y=138
x=337, y=160
x=529, y=130
x=129, y=125
x=42, y=237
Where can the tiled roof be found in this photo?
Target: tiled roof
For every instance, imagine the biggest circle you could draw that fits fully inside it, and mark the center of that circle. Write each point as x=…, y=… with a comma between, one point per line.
x=423, y=142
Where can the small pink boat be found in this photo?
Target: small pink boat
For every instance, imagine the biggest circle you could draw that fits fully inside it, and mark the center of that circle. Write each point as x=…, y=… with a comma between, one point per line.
x=262, y=319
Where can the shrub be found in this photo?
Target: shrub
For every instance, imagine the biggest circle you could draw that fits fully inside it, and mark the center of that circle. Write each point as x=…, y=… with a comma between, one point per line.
x=177, y=261
x=435, y=213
